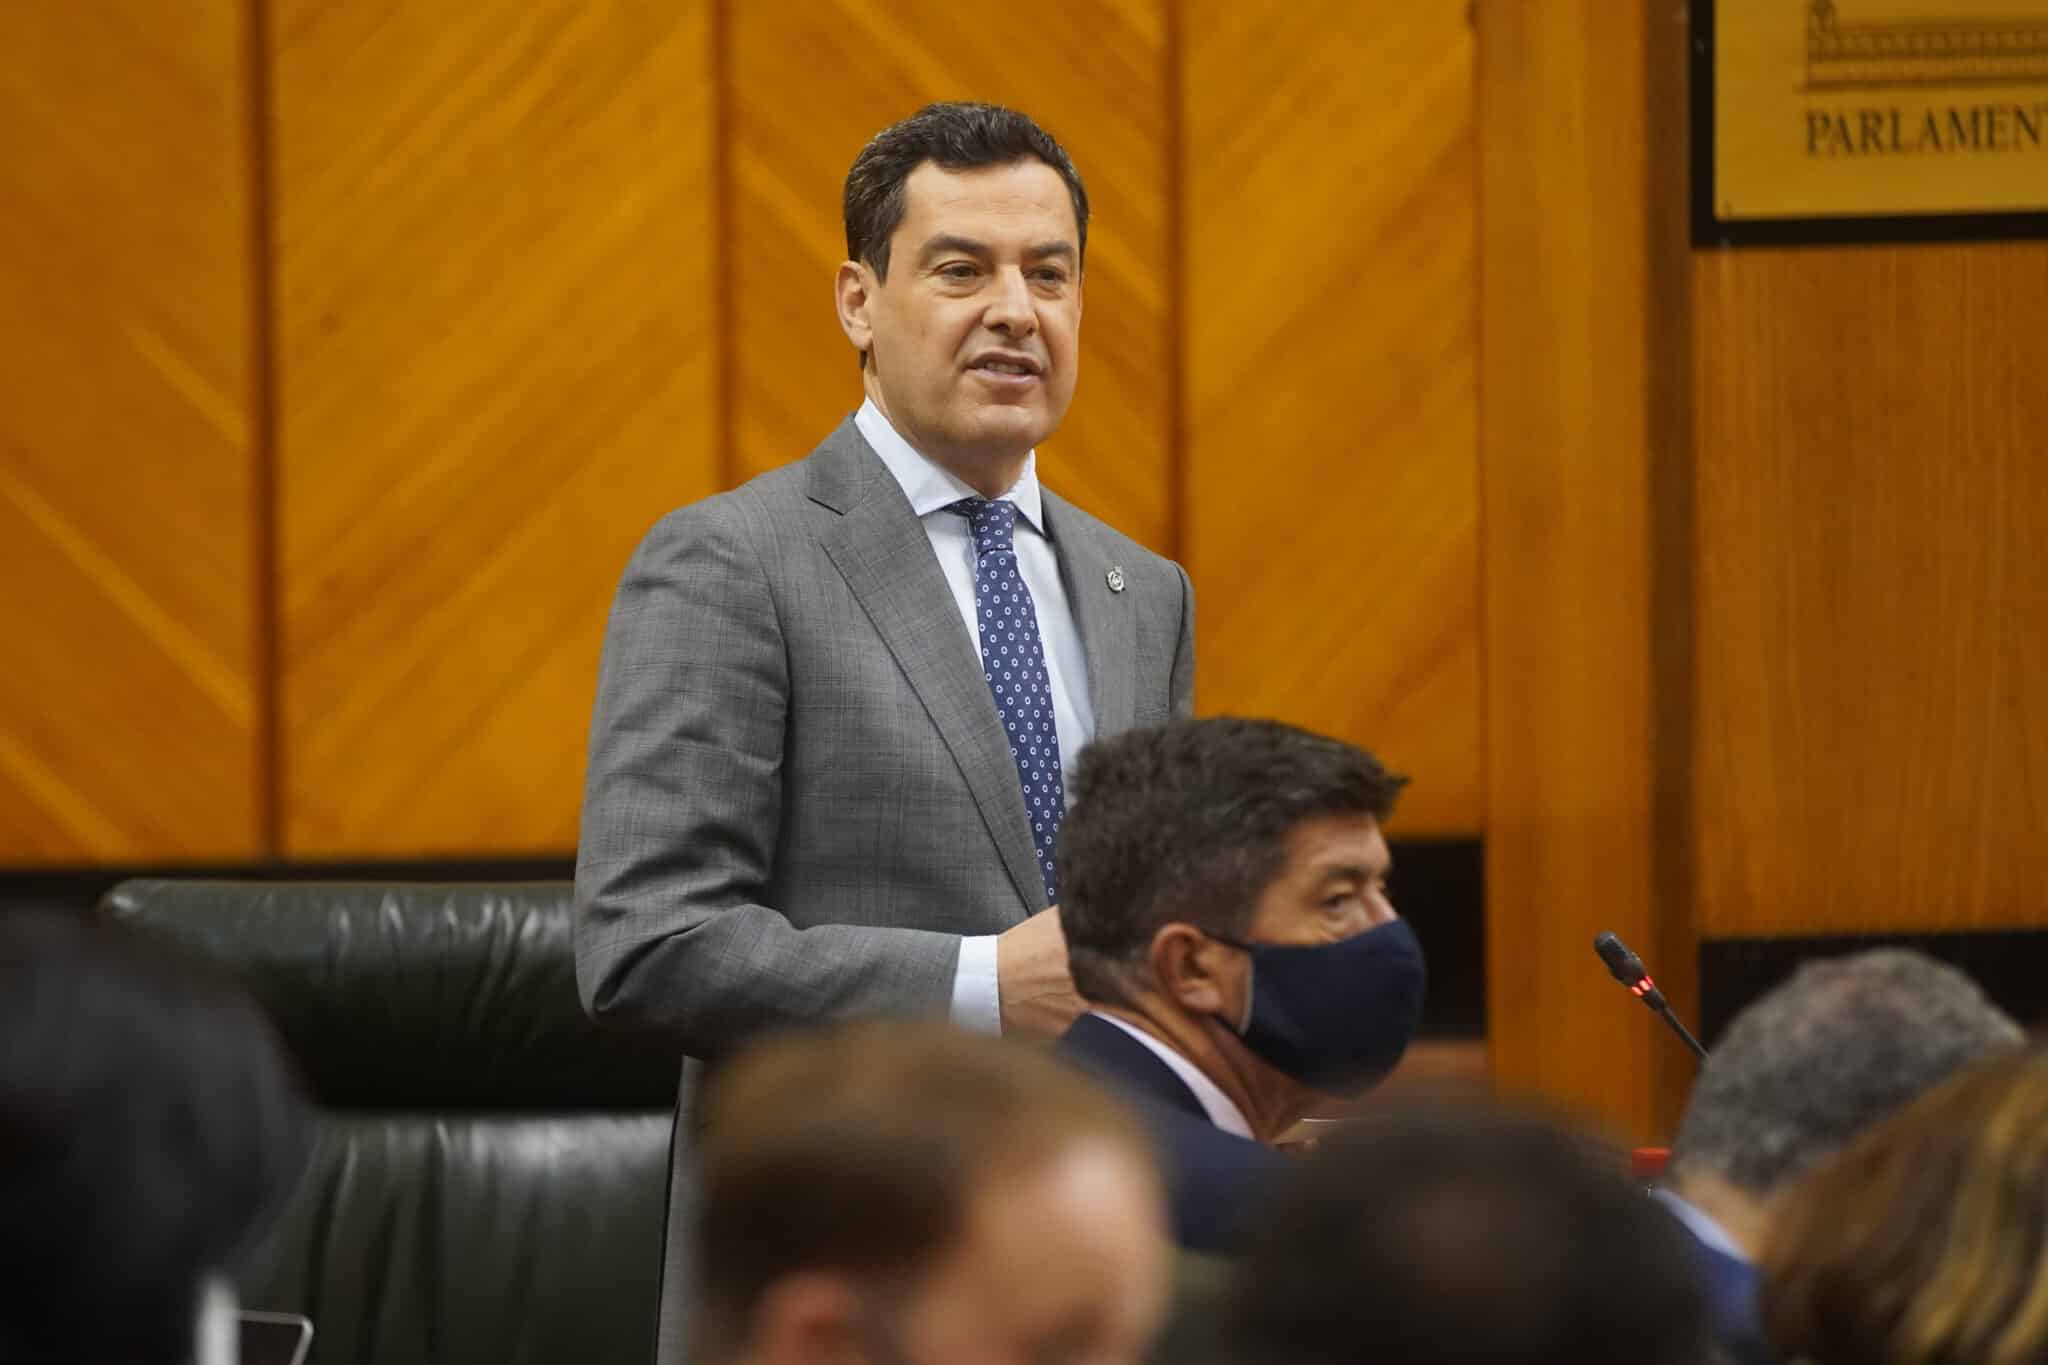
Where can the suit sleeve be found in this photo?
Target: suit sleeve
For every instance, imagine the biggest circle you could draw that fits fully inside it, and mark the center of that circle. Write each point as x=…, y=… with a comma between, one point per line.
x=1182, y=695
x=681, y=812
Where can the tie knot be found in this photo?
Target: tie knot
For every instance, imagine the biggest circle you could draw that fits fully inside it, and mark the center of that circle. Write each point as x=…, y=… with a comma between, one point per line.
x=992, y=522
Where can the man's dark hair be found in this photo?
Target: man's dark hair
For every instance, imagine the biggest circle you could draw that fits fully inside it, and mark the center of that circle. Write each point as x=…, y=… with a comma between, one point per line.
x=1464, y=1235
x=954, y=137
x=149, y=1132
x=1826, y=1055
x=859, y=1150
x=1188, y=823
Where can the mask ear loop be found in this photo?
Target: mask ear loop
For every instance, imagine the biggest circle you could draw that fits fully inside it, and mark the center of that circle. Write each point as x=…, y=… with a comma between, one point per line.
x=1251, y=980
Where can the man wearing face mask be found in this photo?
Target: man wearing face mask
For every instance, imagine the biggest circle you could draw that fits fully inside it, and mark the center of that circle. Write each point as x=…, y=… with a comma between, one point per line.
x=1227, y=923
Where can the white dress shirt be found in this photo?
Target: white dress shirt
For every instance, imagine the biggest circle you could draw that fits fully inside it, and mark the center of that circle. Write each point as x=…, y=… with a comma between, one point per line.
x=1215, y=1103
x=931, y=489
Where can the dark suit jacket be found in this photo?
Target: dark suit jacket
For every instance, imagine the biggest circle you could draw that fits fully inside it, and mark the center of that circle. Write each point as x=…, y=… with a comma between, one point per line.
x=1213, y=1178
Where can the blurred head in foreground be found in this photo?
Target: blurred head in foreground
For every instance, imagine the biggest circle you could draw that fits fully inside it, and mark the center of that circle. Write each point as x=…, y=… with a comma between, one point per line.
x=1839, y=1047
x=1925, y=1242
x=149, y=1132
x=1464, y=1236
x=904, y=1194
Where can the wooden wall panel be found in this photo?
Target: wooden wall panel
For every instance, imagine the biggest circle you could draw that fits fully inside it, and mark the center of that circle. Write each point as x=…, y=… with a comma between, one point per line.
x=1581, y=249
x=1331, y=403
x=811, y=80
x=497, y=368
x=1873, y=615
x=128, y=705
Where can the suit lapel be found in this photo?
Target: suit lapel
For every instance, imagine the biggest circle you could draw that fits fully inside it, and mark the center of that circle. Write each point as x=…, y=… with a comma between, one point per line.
x=880, y=548
x=1108, y=636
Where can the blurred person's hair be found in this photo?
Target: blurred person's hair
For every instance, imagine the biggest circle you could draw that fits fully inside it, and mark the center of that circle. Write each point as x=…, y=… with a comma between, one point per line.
x=1188, y=823
x=1465, y=1234
x=954, y=137
x=1925, y=1241
x=1841, y=1045
x=860, y=1149
x=149, y=1133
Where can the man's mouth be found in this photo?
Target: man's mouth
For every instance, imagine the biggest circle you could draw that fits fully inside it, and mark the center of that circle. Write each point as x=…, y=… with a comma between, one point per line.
x=1022, y=367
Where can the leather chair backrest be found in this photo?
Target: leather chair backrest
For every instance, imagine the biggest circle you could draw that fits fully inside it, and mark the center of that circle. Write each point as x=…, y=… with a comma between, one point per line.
x=491, y=1176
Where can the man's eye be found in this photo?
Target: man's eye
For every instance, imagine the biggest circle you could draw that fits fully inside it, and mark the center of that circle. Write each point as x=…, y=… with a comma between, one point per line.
x=959, y=270
x=1051, y=275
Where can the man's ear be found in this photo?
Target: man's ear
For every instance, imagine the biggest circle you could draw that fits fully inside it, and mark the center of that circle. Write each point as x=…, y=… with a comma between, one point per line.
x=1195, y=971
x=853, y=289
x=808, y=1319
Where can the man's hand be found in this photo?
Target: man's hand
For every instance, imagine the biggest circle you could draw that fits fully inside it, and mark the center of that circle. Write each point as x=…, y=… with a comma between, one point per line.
x=1033, y=986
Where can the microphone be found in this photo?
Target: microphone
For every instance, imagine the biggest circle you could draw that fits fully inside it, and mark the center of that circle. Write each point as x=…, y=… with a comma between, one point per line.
x=1628, y=969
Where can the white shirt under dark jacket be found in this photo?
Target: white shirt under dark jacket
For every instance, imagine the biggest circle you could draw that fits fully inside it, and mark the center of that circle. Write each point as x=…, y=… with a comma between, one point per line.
x=1218, y=1106
x=930, y=489
x=1702, y=1224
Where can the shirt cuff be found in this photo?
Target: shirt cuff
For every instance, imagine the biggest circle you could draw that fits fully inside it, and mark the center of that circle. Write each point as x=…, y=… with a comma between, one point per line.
x=977, y=1006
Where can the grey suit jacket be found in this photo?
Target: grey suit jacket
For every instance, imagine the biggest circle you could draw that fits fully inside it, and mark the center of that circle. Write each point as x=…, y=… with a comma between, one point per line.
x=799, y=793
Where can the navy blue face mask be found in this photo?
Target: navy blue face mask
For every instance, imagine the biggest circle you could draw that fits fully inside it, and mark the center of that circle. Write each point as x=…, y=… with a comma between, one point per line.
x=1335, y=1016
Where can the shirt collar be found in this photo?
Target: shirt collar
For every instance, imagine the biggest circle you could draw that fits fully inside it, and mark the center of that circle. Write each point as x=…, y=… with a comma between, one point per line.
x=1700, y=1223
x=1215, y=1103
x=931, y=487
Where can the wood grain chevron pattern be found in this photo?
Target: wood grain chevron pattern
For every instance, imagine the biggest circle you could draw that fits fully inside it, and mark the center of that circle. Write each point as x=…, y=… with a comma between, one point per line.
x=1332, y=475
x=812, y=80
x=127, y=704
x=497, y=368
x=1871, y=746
x=1575, y=116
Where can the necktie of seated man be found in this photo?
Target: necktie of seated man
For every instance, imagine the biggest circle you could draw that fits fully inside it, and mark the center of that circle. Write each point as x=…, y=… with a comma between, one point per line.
x=1013, y=661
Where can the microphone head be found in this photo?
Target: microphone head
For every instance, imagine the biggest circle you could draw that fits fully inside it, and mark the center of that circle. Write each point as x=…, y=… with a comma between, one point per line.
x=1626, y=967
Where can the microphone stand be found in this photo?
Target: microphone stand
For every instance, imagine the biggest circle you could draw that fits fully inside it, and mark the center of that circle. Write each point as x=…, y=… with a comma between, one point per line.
x=1628, y=969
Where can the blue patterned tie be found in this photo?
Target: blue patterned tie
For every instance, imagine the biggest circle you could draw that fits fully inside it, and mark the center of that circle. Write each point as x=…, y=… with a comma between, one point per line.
x=1013, y=661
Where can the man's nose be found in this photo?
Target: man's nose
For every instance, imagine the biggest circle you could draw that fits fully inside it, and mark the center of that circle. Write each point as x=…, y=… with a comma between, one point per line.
x=1010, y=310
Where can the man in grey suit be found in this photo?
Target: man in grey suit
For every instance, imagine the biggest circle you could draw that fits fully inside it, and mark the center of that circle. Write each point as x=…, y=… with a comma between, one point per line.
x=838, y=704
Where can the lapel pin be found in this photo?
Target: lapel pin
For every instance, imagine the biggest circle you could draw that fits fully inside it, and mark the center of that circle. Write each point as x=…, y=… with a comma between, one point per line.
x=1116, y=578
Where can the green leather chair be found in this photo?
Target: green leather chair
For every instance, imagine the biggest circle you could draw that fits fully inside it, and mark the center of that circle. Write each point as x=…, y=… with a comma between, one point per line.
x=491, y=1174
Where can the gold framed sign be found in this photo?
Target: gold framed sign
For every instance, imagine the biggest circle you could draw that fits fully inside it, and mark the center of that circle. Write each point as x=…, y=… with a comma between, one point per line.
x=1869, y=120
